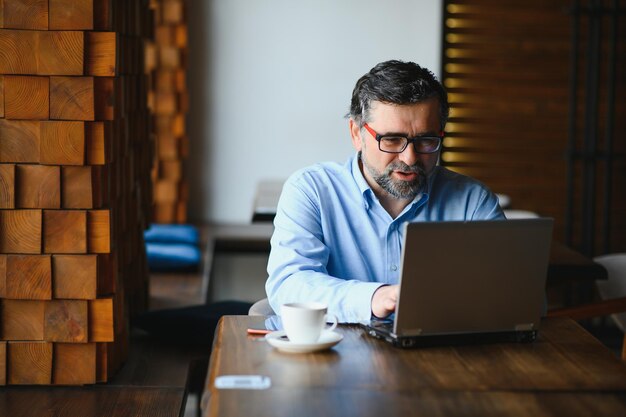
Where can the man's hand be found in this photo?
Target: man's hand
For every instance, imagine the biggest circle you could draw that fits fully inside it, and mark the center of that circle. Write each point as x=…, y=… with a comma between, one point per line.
x=384, y=300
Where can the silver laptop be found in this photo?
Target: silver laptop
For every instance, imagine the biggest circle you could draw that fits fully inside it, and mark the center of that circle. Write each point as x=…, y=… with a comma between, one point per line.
x=466, y=282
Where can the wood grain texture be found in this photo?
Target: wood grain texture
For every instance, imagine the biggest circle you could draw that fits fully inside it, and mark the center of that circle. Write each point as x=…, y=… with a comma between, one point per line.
x=116, y=140
x=29, y=52
x=105, y=98
x=7, y=186
x=30, y=363
x=22, y=319
x=78, y=189
x=21, y=231
x=3, y=363
x=365, y=376
x=501, y=101
x=24, y=14
x=111, y=357
x=19, y=141
x=66, y=321
x=38, y=186
x=72, y=98
x=101, y=320
x=29, y=277
x=564, y=357
x=369, y=403
x=16, y=51
x=103, y=15
x=65, y=231
x=75, y=276
x=74, y=364
x=3, y=280
x=94, y=401
x=99, y=231
x=60, y=53
x=1, y=96
x=62, y=143
x=101, y=50
x=71, y=14
x=26, y=97
x=97, y=142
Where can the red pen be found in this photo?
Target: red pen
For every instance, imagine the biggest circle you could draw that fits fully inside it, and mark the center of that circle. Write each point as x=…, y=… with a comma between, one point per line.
x=258, y=332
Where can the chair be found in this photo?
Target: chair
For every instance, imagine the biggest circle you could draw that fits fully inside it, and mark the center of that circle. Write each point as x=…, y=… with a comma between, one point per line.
x=261, y=308
x=612, y=292
x=504, y=200
x=615, y=286
x=520, y=214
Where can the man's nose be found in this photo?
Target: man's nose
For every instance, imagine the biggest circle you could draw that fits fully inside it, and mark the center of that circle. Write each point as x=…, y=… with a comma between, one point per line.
x=408, y=155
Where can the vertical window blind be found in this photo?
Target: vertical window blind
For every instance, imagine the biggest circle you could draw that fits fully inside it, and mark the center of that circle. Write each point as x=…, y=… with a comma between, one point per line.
x=508, y=68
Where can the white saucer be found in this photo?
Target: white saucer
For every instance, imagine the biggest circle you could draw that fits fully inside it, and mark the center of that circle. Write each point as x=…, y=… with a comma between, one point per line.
x=279, y=341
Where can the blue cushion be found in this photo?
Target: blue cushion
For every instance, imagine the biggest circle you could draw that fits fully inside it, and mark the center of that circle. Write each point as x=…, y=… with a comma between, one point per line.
x=172, y=233
x=172, y=257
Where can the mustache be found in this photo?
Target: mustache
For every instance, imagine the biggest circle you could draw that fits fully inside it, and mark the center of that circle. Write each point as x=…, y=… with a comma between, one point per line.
x=401, y=166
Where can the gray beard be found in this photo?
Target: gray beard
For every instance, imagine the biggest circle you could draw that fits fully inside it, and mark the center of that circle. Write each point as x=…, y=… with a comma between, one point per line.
x=406, y=190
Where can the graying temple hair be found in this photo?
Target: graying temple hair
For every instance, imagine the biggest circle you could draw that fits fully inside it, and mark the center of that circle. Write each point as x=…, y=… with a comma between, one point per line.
x=397, y=82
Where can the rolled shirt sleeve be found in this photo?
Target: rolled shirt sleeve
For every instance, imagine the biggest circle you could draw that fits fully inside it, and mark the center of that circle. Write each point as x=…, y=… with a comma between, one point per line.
x=299, y=257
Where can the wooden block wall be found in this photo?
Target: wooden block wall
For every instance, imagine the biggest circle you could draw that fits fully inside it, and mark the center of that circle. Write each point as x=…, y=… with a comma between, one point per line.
x=75, y=161
x=166, y=68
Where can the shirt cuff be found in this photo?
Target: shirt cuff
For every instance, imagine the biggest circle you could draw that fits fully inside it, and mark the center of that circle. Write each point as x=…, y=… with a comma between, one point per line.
x=360, y=299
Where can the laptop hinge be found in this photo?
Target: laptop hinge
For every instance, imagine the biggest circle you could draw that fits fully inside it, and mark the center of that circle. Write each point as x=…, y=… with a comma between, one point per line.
x=524, y=327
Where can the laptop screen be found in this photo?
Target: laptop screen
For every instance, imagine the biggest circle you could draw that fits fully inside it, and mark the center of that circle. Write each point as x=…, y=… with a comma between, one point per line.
x=469, y=277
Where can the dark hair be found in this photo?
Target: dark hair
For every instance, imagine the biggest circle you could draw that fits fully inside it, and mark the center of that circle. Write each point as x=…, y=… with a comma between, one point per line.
x=397, y=82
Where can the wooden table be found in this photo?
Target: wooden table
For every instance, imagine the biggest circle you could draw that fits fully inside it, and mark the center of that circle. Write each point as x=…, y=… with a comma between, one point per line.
x=565, y=372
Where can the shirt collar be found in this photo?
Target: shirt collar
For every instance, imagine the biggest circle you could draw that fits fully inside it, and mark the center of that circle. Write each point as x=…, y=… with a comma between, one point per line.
x=358, y=175
x=366, y=190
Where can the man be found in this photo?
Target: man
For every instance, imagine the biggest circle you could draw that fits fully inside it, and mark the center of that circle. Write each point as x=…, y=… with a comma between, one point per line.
x=338, y=232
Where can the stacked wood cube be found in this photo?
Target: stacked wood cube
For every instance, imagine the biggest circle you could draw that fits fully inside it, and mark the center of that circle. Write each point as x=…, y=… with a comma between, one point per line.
x=74, y=175
x=168, y=101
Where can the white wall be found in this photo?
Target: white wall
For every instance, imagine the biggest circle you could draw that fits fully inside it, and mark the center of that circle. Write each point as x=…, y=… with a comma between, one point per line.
x=270, y=82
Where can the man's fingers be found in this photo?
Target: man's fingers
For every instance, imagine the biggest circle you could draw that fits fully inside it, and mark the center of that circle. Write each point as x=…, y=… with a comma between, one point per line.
x=384, y=300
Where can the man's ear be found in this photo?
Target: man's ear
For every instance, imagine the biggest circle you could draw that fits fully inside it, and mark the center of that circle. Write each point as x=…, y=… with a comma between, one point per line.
x=355, y=133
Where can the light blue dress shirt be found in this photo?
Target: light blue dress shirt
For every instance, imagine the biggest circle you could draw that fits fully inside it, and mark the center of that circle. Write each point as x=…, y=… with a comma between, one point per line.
x=335, y=243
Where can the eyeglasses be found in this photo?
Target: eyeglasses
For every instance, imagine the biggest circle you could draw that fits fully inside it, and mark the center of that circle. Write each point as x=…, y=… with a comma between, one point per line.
x=398, y=143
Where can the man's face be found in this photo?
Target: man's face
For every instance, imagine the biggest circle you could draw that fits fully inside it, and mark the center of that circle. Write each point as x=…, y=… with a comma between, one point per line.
x=401, y=175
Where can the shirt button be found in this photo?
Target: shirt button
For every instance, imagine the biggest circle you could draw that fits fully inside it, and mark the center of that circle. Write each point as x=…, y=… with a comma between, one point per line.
x=394, y=267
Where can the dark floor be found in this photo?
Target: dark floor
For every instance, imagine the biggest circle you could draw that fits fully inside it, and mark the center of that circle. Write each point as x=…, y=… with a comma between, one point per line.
x=606, y=332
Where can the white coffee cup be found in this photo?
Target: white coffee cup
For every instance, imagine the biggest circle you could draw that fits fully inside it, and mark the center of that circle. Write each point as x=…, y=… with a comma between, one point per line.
x=304, y=322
